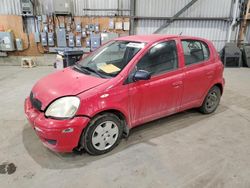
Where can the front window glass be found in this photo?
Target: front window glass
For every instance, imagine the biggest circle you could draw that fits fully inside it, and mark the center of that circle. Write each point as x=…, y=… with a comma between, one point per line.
x=161, y=58
x=110, y=59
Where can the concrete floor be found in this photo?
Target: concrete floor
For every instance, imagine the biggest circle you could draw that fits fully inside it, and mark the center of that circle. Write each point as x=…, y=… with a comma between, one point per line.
x=185, y=150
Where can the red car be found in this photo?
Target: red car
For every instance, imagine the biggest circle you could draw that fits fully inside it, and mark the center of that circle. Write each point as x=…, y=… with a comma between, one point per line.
x=125, y=83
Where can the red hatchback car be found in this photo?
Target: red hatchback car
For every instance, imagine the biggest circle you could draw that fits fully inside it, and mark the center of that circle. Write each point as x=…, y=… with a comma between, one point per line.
x=125, y=83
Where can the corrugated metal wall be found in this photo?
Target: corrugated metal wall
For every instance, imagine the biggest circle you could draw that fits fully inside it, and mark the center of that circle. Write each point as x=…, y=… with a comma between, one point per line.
x=80, y=5
x=167, y=8
x=164, y=8
x=46, y=7
x=214, y=30
x=13, y=7
x=10, y=7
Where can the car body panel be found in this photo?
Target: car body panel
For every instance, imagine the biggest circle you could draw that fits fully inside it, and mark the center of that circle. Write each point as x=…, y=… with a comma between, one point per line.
x=47, y=129
x=63, y=83
x=139, y=102
x=154, y=98
x=105, y=97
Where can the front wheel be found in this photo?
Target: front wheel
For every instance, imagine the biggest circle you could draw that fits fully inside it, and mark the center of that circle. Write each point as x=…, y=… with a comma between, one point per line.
x=211, y=101
x=102, y=134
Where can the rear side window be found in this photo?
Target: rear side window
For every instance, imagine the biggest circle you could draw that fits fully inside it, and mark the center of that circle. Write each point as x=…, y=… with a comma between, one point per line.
x=160, y=58
x=195, y=51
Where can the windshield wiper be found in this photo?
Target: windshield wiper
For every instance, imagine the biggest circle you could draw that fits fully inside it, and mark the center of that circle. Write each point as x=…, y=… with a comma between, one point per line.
x=92, y=70
x=77, y=66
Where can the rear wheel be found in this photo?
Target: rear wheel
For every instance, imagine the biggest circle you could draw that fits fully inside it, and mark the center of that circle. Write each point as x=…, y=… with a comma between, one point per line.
x=102, y=134
x=211, y=101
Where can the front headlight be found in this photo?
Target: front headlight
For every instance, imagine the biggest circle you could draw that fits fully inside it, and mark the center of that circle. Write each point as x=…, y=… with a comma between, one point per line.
x=64, y=107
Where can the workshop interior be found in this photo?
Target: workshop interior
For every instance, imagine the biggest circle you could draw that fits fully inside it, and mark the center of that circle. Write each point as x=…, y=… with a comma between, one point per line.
x=124, y=93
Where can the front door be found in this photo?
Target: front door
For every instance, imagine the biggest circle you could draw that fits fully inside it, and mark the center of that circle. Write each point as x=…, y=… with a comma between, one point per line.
x=160, y=95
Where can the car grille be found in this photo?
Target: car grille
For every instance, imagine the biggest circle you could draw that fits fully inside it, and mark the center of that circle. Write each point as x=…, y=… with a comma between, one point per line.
x=35, y=102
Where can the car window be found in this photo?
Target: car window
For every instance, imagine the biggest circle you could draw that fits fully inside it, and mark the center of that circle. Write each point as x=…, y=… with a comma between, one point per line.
x=110, y=59
x=205, y=49
x=160, y=58
x=195, y=51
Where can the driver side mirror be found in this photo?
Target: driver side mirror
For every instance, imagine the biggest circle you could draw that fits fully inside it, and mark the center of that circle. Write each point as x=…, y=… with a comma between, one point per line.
x=141, y=75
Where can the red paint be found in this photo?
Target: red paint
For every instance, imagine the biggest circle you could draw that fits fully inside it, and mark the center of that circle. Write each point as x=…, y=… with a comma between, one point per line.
x=139, y=102
x=54, y=85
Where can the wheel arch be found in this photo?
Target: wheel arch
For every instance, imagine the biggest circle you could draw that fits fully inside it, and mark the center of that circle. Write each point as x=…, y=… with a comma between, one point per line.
x=219, y=85
x=120, y=115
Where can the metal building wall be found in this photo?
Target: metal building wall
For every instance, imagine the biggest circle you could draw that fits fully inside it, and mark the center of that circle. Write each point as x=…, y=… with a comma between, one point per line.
x=46, y=7
x=164, y=8
x=10, y=7
x=80, y=5
x=13, y=7
x=167, y=8
x=215, y=30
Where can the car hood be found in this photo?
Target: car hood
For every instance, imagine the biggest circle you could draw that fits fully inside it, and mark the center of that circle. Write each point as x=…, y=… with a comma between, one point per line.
x=63, y=83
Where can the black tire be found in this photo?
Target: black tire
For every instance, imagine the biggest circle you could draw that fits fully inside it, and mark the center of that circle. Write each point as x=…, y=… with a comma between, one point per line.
x=209, y=106
x=99, y=120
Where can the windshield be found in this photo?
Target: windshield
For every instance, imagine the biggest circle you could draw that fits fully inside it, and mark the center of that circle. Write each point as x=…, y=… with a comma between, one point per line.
x=110, y=59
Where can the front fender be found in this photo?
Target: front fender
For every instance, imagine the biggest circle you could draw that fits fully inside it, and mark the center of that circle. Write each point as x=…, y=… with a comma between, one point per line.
x=114, y=99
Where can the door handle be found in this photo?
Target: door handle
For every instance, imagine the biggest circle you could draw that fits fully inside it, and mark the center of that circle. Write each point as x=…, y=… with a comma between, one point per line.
x=177, y=84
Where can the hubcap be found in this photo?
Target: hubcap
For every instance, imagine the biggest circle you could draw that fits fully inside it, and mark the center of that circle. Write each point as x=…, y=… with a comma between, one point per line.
x=105, y=135
x=212, y=101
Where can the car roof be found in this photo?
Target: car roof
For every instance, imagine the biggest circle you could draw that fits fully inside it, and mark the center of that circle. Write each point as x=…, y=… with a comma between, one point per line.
x=155, y=37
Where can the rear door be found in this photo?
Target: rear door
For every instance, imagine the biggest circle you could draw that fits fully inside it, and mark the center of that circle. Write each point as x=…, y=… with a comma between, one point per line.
x=161, y=95
x=198, y=75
